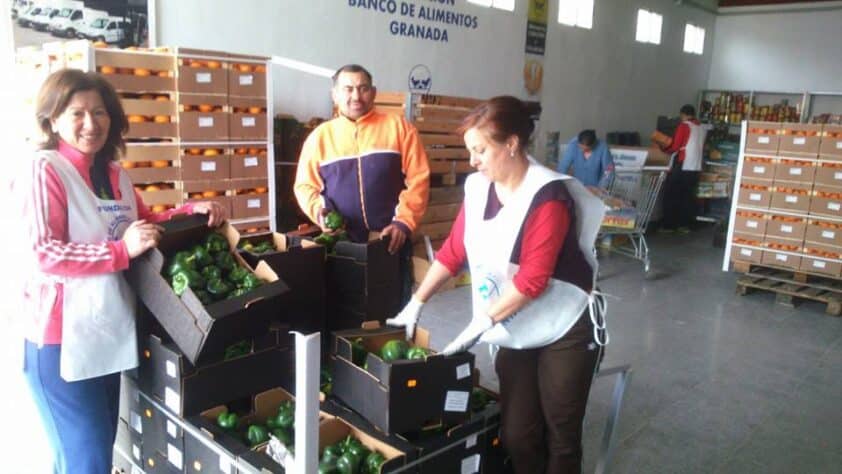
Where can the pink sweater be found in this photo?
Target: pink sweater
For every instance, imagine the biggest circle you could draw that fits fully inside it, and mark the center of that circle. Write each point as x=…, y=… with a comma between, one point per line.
x=46, y=217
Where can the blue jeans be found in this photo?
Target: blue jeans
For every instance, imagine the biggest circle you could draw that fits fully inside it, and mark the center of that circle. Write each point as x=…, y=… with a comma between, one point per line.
x=80, y=418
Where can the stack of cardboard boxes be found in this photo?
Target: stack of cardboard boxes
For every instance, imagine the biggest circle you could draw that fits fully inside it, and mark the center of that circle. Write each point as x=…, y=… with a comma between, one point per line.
x=789, y=198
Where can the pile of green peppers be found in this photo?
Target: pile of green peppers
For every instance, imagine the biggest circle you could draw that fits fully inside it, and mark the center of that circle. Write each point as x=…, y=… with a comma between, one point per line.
x=349, y=456
x=282, y=424
x=262, y=247
x=209, y=269
x=335, y=223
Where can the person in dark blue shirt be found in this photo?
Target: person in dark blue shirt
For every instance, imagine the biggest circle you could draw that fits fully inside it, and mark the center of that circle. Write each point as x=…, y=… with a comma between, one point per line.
x=590, y=159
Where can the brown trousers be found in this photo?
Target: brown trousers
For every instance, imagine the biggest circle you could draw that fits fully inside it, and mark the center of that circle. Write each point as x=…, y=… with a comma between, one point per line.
x=543, y=395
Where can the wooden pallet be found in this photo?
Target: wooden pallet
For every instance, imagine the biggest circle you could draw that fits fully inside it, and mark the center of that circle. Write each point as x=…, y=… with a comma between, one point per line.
x=790, y=287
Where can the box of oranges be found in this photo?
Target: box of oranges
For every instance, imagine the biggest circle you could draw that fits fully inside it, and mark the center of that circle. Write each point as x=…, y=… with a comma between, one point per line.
x=204, y=163
x=247, y=120
x=160, y=196
x=202, y=117
x=150, y=115
x=136, y=71
x=208, y=190
x=151, y=162
x=249, y=162
x=246, y=78
x=202, y=72
x=249, y=198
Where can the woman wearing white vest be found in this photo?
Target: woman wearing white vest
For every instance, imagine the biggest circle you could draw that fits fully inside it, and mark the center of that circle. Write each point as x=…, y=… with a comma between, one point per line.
x=86, y=223
x=680, y=186
x=527, y=234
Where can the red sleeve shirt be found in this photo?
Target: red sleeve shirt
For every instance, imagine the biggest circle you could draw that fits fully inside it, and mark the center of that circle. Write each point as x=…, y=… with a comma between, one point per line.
x=543, y=236
x=679, y=141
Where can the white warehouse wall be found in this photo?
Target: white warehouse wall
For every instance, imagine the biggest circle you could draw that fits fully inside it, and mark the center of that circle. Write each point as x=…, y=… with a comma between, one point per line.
x=599, y=78
x=784, y=51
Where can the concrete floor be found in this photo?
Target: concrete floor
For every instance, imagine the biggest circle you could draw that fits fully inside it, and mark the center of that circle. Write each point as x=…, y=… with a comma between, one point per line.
x=720, y=384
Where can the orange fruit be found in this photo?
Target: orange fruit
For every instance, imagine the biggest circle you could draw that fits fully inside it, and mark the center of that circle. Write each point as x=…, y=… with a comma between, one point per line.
x=251, y=230
x=163, y=74
x=210, y=194
x=213, y=64
x=194, y=151
x=205, y=108
x=260, y=190
x=146, y=97
x=160, y=164
x=100, y=44
x=254, y=151
x=196, y=63
x=130, y=48
x=255, y=110
x=125, y=70
x=152, y=188
x=187, y=108
x=196, y=196
x=240, y=151
x=162, y=98
x=260, y=68
x=211, y=152
x=161, y=119
x=127, y=164
x=262, y=153
x=158, y=208
x=136, y=119
x=141, y=164
x=107, y=70
x=244, y=67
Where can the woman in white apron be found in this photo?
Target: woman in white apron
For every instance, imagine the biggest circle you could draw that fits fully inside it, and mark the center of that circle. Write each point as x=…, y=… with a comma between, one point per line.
x=85, y=223
x=680, y=187
x=527, y=234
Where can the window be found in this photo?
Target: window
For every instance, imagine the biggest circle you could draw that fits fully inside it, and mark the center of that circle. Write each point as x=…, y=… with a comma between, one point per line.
x=576, y=13
x=694, y=39
x=508, y=5
x=648, y=27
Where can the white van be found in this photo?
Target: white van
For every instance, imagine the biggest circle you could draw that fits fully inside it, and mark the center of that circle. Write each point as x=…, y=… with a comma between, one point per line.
x=67, y=22
x=25, y=18
x=42, y=19
x=111, y=30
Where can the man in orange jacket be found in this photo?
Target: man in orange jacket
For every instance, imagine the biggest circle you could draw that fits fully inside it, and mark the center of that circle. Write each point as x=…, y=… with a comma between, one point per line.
x=369, y=166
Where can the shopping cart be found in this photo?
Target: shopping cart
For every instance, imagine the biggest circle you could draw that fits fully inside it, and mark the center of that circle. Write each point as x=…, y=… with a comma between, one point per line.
x=638, y=189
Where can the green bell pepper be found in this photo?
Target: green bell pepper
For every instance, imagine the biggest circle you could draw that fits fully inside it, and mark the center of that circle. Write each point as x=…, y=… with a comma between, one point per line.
x=373, y=462
x=227, y=420
x=236, y=275
x=263, y=247
x=284, y=436
x=328, y=466
x=216, y=243
x=237, y=292
x=187, y=278
x=201, y=256
x=348, y=463
x=333, y=451
x=225, y=261
x=211, y=272
x=325, y=381
x=358, y=352
x=251, y=281
x=246, y=245
x=203, y=296
x=417, y=352
x=218, y=288
x=257, y=434
x=326, y=240
x=284, y=419
x=334, y=220
x=479, y=399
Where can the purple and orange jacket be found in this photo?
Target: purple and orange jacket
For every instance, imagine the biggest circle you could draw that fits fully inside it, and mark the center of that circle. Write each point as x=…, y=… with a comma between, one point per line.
x=374, y=171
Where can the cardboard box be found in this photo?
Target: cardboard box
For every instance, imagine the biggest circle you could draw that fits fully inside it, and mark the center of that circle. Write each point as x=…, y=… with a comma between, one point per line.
x=754, y=195
x=249, y=165
x=800, y=139
x=156, y=462
x=781, y=259
x=155, y=156
x=820, y=265
x=301, y=265
x=782, y=243
x=830, y=147
x=825, y=203
x=763, y=137
x=745, y=254
x=824, y=232
x=130, y=402
x=202, y=330
x=203, y=167
x=749, y=222
x=161, y=435
x=202, y=80
x=794, y=171
x=186, y=389
x=829, y=175
x=164, y=194
x=128, y=449
x=245, y=206
x=125, y=65
x=202, y=117
x=786, y=227
x=247, y=79
x=759, y=168
x=404, y=395
x=153, y=112
x=247, y=119
x=794, y=198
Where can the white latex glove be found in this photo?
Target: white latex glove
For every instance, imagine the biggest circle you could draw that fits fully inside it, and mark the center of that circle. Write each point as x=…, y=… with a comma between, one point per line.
x=408, y=317
x=469, y=336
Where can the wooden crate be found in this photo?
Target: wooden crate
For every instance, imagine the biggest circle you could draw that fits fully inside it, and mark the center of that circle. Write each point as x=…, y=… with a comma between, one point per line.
x=790, y=287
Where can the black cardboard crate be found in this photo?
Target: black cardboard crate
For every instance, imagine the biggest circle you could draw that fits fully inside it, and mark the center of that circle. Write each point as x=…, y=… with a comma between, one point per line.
x=128, y=448
x=162, y=434
x=466, y=456
x=405, y=395
x=198, y=330
x=167, y=375
x=301, y=265
x=369, y=264
x=156, y=462
x=129, y=400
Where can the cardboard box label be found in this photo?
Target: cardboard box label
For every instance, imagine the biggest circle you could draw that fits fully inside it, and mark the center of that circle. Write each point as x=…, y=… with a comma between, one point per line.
x=828, y=234
x=781, y=257
x=135, y=422
x=819, y=264
x=246, y=80
x=799, y=141
x=208, y=166
x=746, y=252
x=463, y=371
x=250, y=161
x=203, y=77
x=456, y=400
x=206, y=121
x=174, y=456
x=839, y=145
x=751, y=224
x=225, y=464
x=172, y=429
x=471, y=442
x=170, y=368
x=248, y=121
x=786, y=229
x=759, y=169
x=791, y=199
x=172, y=400
x=470, y=464
x=834, y=206
x=136, y=455
x=764, y=140
x=253, y=203
x=795, y=171
x=754, y=197
x=837, y=175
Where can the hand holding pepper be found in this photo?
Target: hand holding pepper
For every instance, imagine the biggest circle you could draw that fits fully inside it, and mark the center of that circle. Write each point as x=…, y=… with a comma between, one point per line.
x=141, y=236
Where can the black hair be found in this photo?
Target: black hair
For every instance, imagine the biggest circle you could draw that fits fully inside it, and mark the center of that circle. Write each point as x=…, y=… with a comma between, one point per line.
x=352, y=68
x=688, y=110
x=587, y=137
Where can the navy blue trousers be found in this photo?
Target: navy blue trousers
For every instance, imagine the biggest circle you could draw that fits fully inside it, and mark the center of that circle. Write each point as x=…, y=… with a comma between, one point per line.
x=80, y=418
